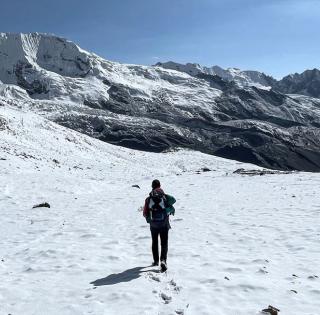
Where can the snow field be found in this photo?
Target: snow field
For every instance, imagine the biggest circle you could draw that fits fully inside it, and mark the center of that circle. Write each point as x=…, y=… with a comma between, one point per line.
x=237, y=243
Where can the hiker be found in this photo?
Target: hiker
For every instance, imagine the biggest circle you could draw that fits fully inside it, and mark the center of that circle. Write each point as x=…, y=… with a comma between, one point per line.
x=157, y=208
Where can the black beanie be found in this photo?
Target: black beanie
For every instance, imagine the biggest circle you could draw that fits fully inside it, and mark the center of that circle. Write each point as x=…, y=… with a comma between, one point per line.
x=155, y=184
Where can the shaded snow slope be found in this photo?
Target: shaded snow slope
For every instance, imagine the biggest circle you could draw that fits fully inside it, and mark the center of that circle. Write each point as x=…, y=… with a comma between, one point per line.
x=156, y=109
x=237, y=243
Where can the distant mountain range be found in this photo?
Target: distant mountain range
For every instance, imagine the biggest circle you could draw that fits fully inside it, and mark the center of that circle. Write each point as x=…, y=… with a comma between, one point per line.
x=242, y=115
x=306, y=83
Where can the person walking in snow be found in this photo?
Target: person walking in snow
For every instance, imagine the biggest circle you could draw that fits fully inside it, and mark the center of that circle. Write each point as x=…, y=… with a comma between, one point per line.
x=157, y=208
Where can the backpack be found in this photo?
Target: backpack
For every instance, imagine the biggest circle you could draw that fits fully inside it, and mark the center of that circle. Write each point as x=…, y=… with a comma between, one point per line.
x=157, y=206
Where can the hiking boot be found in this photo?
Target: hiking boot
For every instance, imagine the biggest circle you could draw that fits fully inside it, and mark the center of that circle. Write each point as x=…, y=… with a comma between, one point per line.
x=163, y=266
x=155, y=263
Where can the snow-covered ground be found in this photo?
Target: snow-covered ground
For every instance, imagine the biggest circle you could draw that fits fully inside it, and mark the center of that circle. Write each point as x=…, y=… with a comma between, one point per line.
x=237, y=244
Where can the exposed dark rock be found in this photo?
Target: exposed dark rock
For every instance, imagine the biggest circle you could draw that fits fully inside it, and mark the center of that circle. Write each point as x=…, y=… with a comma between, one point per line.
x=26, y=156
x=242, y=171
x=306, y=83
x=42, y=205
x=271, y=310
x=106, y=82
x=3, y=123
x=215, y=81
x=34, y=87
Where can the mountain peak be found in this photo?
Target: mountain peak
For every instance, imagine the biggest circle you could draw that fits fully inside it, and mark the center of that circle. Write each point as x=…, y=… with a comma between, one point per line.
x=34, y=50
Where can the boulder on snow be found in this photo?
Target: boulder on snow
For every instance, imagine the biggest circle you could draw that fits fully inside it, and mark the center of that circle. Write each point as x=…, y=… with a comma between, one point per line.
x=136, y=186
x=271, y=310
x=42, y=205
x=203, y=170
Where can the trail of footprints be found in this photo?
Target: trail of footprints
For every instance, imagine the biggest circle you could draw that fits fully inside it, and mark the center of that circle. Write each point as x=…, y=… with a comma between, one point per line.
x=166, y=289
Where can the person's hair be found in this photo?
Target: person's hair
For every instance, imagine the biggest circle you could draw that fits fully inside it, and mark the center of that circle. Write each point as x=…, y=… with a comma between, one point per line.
x=155, y=184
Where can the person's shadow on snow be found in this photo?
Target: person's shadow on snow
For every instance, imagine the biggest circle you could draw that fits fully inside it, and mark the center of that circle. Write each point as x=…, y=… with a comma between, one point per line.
x=125, y=276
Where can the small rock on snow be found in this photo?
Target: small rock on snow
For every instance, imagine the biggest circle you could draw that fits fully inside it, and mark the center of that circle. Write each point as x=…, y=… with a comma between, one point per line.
x=42, y=205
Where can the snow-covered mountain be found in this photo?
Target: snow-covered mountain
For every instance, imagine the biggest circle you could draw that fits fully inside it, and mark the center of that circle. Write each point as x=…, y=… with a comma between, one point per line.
x=239, y=77
x=155, y=109
x=249, y=239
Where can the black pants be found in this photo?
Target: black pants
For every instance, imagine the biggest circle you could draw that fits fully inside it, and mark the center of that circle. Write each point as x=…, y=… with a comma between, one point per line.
x=163, y=232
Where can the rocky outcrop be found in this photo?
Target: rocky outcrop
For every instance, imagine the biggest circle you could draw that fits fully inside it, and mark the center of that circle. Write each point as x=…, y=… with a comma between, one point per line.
x=37, y=86
x=306, y=83
x=3, y=123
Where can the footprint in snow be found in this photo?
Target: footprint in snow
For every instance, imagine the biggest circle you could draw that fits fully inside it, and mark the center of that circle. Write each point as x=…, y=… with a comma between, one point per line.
x=165, y=297
x=174, y=286
x=153, y=277
x=142, y=237
x=88, y=235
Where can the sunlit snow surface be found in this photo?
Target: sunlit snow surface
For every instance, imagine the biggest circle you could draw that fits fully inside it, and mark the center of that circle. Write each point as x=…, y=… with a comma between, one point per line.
x=237, y=243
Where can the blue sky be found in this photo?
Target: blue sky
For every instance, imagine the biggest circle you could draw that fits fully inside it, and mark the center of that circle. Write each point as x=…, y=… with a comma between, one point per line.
x=275, y=36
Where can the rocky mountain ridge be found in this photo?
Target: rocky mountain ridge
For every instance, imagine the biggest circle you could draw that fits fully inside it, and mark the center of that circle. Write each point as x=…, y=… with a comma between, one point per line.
x=306, y=83
x=240, y=77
